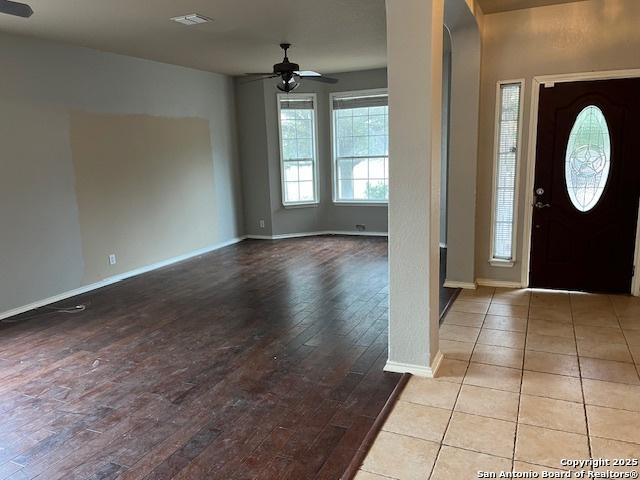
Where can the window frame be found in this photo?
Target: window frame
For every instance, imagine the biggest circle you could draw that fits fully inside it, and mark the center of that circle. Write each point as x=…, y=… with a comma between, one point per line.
x=494, y=261
x=316, y=191
x=334, y=150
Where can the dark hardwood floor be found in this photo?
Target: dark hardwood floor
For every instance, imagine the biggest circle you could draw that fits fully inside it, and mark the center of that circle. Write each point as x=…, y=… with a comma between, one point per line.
x=262, y=360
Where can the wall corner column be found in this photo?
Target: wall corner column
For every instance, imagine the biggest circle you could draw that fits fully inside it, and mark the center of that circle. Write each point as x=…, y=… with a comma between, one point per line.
x=414, y=53
x=463, y=152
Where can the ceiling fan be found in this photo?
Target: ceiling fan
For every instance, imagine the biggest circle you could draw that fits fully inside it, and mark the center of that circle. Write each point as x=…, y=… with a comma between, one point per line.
x=15, y=8
x=290, y=73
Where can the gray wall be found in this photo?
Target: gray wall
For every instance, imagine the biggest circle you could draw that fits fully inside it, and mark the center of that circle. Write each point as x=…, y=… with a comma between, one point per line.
x=41, y=246
x=260, y=156
x=252, y=148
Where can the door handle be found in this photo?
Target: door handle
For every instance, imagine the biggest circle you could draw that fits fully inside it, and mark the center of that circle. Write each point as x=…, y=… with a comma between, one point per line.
x=541, y=205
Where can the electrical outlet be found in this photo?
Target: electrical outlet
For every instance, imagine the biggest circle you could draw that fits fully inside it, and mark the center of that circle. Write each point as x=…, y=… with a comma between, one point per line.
x=112, y=259
x=261, y=223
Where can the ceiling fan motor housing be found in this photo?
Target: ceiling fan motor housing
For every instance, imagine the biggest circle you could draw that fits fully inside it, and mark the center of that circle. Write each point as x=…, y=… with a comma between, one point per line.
x=286, y=70
x=285, y=67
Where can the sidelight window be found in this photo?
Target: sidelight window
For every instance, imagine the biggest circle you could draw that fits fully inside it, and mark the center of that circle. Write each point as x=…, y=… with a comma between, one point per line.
x=506, y=158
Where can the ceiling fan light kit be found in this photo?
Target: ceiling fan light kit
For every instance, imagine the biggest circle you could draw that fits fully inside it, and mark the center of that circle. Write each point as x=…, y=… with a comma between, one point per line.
x=290, y=73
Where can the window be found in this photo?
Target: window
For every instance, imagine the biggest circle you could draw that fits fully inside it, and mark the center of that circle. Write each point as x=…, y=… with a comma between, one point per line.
x=297, y=113
x=508, y=123
x=588, y=158
x=360, y=146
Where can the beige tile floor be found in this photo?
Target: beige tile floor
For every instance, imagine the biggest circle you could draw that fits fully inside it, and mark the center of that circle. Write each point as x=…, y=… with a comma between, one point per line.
x=529, y=377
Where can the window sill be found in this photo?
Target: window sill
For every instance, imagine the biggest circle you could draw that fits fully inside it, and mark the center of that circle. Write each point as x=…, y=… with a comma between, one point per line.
x=360, y=204
x=501, y=263
x=301, y=205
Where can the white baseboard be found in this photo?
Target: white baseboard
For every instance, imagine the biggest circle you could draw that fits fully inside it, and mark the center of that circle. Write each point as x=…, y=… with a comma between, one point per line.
x=260, y=237
x=437, y=362
x=356, y=233
x=117, y=278
x=487, y=282
x=417, y=370
x=456, y=284
x=314, y=234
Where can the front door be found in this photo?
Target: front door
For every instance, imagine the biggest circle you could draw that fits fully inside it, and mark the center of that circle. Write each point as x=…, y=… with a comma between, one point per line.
x=587, y=185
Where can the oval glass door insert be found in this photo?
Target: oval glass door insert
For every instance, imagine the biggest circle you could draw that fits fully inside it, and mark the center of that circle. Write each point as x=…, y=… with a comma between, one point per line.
x=588, y=158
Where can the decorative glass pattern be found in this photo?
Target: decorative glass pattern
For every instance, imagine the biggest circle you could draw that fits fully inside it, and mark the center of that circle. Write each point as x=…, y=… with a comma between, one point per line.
x=588, y=158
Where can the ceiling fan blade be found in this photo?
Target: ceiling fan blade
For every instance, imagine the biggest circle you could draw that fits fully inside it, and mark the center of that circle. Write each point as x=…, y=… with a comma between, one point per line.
x=307, y=73
x=322, y=79
x=15, y=8
x=254, y=77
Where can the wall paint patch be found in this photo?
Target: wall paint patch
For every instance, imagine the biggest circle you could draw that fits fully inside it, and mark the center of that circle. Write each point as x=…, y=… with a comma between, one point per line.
x=145, y=189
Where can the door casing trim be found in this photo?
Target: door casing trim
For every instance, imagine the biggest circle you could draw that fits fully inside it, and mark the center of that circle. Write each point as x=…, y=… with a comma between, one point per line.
x=550, y=80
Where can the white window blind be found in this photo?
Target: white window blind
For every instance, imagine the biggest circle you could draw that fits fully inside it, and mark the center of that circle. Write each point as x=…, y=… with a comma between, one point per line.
x=361, y=147
x=507, y=149
x=298, y=148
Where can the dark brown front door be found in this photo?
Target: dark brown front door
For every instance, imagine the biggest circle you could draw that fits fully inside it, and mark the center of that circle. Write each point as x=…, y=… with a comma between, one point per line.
x=587, y=184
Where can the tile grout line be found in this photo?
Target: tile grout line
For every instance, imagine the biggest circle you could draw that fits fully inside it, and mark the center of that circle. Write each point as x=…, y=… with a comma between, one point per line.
x=574, y=316
x=467, y=449
x=524, y=354
x=624, y=335
x=584, y=401
x=555, y=429
x=433, y=468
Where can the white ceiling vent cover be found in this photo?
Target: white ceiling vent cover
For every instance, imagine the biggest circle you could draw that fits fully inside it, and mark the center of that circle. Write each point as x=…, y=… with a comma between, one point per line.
x=192, y=19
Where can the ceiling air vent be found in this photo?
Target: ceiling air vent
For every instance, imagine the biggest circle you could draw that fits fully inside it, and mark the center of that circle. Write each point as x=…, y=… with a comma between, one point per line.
x=191, y=19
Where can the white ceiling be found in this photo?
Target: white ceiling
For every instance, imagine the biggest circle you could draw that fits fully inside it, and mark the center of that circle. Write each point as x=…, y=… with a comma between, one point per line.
x=328, y=35
x=494, y=6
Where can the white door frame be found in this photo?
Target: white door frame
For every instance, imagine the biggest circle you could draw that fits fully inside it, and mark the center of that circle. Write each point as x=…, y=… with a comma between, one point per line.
x=550, y=80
